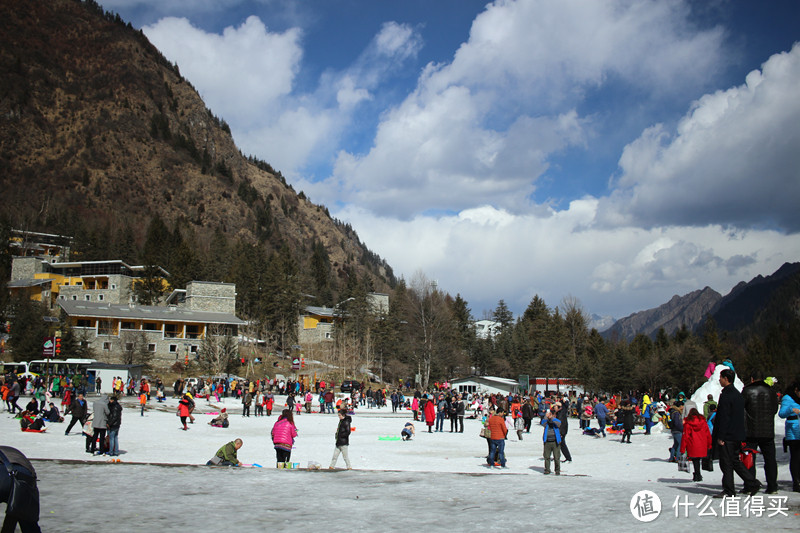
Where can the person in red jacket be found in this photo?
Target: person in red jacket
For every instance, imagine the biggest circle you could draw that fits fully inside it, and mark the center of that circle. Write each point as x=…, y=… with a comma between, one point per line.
x=696, y=440
x=430, y=414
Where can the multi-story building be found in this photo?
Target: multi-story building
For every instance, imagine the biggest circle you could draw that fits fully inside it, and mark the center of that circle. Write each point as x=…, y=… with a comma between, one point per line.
x=47, y=281
x=99, y=300
x=316, y=324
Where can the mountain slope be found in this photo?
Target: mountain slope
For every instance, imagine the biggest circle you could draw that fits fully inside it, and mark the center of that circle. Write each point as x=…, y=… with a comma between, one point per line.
x=98, y=130
x=747, y=301
x=689, y=309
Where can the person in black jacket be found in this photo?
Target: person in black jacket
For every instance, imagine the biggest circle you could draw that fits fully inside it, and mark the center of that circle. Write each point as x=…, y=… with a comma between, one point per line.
x=342, y=439
x=627, y=415
x=563, y=416
x=79, y=410
x=460, y=409
x=527, y=414
x=113, y=422
x=23, y=508
x=729, y=432
x=760, y=406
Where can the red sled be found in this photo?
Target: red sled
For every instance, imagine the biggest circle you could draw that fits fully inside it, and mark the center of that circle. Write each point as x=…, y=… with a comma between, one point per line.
x=35, y=430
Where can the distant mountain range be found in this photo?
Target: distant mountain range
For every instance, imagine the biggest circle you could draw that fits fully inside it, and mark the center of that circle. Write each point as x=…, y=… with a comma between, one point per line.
x=601, y=323
x=748, y=305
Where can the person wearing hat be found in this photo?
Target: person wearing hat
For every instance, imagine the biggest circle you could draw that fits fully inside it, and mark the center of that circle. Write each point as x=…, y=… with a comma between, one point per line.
x=220, y=421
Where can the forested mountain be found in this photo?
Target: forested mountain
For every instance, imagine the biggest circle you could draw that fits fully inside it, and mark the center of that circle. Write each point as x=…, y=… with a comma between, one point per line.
x=103, y=139
x=750, y=304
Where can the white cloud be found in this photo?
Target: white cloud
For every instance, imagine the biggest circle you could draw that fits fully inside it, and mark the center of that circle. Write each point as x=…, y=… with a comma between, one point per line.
x=487, y=254
x=398, y=41
x=733, y=159
x=241, y=74
x=482, y=128
x=247, y=76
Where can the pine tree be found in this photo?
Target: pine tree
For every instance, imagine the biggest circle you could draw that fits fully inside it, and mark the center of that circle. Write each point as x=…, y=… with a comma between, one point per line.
x=28, y=329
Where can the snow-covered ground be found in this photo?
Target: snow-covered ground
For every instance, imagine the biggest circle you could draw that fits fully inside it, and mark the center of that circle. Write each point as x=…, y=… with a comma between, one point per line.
x=436, y=482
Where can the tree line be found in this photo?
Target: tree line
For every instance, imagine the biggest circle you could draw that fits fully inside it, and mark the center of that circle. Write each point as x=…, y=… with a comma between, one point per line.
x=425, y=333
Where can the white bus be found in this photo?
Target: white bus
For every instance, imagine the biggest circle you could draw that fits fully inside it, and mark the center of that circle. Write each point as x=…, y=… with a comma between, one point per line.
x=60, y=367
x=21, y=369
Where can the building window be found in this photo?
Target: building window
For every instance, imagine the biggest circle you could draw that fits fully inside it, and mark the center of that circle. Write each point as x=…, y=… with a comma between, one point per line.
x=107, y=346
x=173, y=348
x=128, y=325
x=113, y=286
x=99, y=297
x=128, y=346
x=74, y=297
x=88, y=297
x=193, y=348
x=84, y=344
x=149, y=326
x=151, y=347
x=83, y=323
x=328, y=335
x=105, y=327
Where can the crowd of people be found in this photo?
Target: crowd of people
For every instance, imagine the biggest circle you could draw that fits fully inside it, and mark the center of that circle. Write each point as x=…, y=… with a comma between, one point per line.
x=727, y=429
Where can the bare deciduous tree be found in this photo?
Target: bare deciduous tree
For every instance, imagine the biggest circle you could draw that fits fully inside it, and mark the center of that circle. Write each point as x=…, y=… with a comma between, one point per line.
x=219, y=350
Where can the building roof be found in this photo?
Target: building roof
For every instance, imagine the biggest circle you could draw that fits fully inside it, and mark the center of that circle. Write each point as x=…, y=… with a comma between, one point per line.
x=490, y=379
x=111, y=366
x=17, y=283
x=321, y=311
x=146, y=312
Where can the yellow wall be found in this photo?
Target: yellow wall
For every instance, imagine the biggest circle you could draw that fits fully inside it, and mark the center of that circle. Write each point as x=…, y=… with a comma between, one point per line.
x=58, y=280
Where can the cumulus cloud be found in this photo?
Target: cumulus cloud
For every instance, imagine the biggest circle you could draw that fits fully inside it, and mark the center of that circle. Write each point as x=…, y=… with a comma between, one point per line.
x=733, y=159
x=247, y=76
x=483, y=127
x=486, y=254
x=241, y=74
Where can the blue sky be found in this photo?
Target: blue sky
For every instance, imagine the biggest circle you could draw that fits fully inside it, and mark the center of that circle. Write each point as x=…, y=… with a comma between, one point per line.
x=618, y=152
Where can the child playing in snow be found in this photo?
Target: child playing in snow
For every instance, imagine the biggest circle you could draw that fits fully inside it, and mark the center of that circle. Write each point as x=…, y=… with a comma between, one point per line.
x=408, y=431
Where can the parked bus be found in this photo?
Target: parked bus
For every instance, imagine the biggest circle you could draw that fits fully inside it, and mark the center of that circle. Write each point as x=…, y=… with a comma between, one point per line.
x=21, y=369
x=60, y=367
